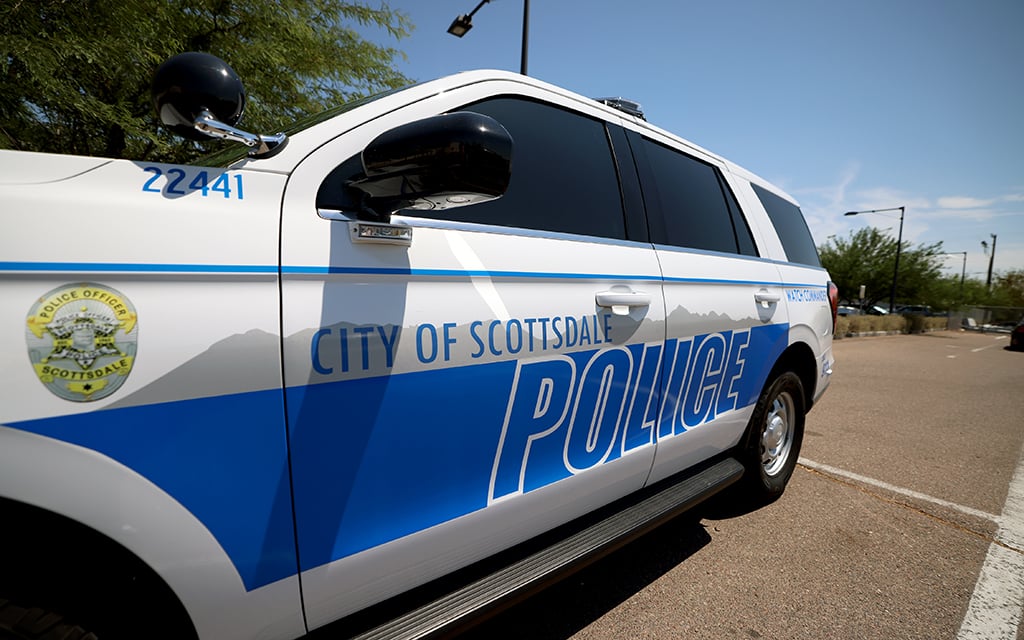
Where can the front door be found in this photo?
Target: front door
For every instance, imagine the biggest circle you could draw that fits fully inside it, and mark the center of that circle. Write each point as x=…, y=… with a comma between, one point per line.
x=490, y=380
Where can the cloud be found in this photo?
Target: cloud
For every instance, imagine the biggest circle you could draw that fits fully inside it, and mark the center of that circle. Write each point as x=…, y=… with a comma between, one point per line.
x=831, y=196
x=959, y=222
x=847, y=178
x=963, y=202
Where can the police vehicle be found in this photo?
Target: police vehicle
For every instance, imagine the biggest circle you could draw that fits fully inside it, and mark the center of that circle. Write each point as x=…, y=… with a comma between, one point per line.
x=388, y=371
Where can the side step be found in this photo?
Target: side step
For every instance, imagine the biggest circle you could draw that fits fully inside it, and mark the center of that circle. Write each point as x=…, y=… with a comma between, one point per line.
x=522, y=578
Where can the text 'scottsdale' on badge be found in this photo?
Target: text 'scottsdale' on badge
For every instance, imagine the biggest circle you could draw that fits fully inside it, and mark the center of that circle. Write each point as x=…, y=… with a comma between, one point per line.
x=81, y=340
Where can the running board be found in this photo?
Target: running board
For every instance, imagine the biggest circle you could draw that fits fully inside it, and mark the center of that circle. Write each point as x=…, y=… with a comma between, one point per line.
x=528, y=575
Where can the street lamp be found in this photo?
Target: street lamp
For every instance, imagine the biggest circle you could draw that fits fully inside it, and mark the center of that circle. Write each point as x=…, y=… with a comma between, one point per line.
x=464, y=23
x=899, y=244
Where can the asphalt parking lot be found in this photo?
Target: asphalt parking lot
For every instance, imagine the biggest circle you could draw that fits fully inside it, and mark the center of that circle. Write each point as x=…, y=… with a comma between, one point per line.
x=905, y=519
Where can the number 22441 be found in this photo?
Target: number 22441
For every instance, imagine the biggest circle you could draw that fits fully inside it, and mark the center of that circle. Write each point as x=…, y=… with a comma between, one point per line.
x=180, y=183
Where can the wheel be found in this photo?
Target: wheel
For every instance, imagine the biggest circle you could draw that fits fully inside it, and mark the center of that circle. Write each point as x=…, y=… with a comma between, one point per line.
x=774, y=436
x=19, y=623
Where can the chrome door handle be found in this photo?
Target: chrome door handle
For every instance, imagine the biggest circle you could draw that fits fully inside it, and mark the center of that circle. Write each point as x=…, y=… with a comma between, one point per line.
x=765, y=297
x=621, y=301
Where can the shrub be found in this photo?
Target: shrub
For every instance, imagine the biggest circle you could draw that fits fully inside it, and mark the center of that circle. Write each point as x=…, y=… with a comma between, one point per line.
x=915, y=323
x=850, y=325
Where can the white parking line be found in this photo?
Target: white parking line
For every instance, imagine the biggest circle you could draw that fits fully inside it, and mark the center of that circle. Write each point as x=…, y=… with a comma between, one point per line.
x=842, y=473
x=997, y=603
x=997, y=339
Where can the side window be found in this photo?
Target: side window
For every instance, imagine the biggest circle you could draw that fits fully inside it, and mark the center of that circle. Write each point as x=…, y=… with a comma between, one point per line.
x=790, y=225
x=696, y=209
x=739, y=222
x=563, y=175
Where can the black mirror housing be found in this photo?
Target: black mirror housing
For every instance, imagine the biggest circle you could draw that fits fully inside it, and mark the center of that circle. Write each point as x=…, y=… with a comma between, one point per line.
x=189, y=84
x=442, y=162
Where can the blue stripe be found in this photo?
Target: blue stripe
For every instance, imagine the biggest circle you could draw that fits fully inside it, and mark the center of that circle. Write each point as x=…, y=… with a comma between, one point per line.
x=374, y=459
x=460, y=273
x=811, y=285
x=223, y=458
x=756, y=283
x=129, y=267
x=310, y=270
x=112, y=267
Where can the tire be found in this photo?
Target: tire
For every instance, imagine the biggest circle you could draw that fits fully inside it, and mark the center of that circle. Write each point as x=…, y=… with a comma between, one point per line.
x=19, y=623
x=774, y=436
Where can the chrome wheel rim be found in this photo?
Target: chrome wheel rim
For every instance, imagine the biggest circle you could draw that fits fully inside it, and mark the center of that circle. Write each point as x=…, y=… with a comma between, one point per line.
x=777, y=434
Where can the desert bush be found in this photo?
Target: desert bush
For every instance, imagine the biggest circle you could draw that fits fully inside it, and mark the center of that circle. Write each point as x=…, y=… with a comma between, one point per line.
x=849, y=325
x=915, y=322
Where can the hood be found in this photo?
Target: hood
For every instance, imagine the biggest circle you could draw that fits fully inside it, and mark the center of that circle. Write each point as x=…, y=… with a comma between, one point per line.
x=25, y=167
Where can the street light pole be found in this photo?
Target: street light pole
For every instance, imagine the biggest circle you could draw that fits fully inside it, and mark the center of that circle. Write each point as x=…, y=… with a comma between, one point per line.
x=464, y=23
x=526, y=33
x=991, y=260
x=899, y=246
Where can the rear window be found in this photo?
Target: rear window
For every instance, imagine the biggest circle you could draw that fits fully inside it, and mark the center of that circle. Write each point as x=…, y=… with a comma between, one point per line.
x=697, y=210
x=790, y=225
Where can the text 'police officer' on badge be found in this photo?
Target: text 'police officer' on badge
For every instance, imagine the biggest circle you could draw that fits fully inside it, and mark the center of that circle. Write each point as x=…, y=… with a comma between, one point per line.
x=81, y=340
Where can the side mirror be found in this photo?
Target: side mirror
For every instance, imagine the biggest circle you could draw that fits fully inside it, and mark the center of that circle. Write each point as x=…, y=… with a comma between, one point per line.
x=189, y=84
x=442, y=162
x=198, y=96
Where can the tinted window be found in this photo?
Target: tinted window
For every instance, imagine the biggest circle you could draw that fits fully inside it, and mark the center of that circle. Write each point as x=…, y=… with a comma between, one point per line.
x=790, y=225
x=563, y=176
x=739, y=223
x=694, y=211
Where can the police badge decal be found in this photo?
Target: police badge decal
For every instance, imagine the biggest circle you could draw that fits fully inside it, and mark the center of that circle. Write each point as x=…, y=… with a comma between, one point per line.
x=81, y=340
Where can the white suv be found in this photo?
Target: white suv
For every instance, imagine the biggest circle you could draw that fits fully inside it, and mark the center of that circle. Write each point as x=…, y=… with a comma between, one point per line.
x=252, y=399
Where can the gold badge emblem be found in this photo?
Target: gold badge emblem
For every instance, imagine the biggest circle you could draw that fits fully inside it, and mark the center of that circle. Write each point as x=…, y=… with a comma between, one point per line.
x=81, y=340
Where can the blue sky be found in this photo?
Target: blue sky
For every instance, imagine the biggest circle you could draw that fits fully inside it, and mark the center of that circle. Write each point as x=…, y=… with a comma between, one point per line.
x=854, y=105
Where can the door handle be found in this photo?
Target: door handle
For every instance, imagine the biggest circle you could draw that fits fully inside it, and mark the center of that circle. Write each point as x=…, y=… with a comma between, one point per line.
x=621, y=301
x=765, y=298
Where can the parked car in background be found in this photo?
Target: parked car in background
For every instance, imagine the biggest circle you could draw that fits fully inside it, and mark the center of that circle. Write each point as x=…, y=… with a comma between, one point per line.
x=914, y=309
x=853, y=309
x=1017, y=336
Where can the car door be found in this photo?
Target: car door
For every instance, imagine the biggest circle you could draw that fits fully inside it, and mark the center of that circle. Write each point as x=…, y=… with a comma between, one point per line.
x=725, y=315
x=489, y=379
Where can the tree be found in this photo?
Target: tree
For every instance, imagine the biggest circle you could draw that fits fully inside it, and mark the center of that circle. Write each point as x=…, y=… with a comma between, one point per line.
x=74, y=75
x=868, y=258
x=1008, y=288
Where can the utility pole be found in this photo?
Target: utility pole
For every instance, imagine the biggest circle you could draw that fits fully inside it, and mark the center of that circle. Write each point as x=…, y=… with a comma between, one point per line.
x=991, y=260
x=464, y=23
x=899, y=245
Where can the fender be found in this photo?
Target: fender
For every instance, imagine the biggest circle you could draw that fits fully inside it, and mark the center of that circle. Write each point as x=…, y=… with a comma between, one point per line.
x=107, y=496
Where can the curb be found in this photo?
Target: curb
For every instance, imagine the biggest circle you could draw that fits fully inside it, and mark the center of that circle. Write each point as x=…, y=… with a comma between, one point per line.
x=897, y=332
x=868, y=334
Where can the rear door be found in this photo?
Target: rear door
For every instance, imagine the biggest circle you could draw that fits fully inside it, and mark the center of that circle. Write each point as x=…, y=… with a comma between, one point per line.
x=489, y=380
x=726, y=319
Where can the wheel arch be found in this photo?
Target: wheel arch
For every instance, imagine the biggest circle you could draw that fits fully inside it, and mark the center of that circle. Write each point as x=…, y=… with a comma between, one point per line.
x=61, y=565
x=134, y=518
x=800, y=359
